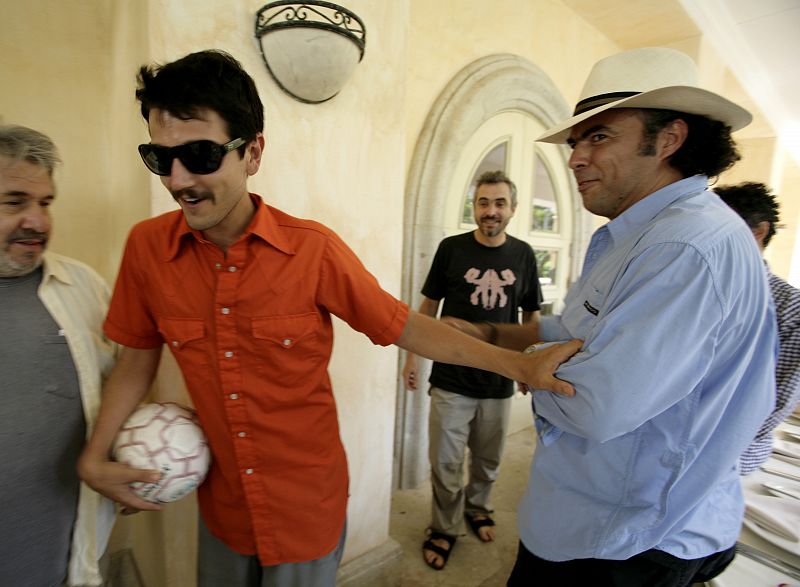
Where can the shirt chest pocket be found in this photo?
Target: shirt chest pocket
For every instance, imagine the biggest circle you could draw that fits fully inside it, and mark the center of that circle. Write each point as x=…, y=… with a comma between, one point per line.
x=286, y=332
x=585, y=310
x=181, y=333
x=288, y=348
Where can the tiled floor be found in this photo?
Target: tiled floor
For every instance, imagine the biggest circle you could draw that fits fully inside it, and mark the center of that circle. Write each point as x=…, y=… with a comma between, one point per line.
x=473, y=563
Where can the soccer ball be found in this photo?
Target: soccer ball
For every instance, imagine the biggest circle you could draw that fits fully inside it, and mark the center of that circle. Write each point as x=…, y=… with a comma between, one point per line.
x=168, y=438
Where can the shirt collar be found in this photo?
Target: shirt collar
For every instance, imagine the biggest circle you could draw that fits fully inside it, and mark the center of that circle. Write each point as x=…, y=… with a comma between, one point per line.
x=51, y=268
x=263, y=225
x=647, y=208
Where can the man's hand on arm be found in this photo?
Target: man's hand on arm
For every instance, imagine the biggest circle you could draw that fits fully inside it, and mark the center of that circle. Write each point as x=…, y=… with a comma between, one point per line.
x=125, y=389
x=543, y=364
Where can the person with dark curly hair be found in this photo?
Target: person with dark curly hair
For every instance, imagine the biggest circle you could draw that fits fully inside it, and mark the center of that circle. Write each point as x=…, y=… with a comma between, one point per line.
x=635, y=479
x=759, y=208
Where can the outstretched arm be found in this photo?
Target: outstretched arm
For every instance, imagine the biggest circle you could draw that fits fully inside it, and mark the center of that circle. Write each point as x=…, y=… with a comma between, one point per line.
x=437, y=341
x=516, y=337
x=428, y=307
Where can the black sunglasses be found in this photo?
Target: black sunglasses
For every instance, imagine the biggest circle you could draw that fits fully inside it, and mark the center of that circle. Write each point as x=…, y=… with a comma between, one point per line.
x=200, y=157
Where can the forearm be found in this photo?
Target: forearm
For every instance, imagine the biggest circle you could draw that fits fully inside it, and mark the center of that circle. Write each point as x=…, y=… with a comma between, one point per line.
x=437, y=341
x=125, y=389
x=428, y=307
x=517, y=337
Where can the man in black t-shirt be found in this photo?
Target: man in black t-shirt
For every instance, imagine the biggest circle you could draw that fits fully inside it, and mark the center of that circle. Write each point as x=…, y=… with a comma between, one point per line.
x=483, y=275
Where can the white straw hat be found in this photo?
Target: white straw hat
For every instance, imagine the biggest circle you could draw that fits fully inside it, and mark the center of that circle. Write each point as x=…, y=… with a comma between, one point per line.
x=652, y=77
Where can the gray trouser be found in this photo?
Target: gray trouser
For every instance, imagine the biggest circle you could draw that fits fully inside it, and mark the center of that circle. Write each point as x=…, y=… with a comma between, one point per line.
x=457, y=422
x=218, y=566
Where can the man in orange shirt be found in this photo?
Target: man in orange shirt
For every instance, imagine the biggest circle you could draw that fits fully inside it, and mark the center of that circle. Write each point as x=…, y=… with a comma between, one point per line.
x=243, y=294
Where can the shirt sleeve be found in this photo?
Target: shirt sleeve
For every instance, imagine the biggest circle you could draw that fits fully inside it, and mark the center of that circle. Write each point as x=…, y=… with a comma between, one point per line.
x=352, y=293
x=129, y=321
x=435, y=286
x=648, y=349
x=787, y=368
x=552, y=330
x=532, y=298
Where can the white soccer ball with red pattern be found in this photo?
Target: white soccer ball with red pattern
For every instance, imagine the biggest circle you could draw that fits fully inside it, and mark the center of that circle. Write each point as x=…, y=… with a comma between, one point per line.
x=166, y=437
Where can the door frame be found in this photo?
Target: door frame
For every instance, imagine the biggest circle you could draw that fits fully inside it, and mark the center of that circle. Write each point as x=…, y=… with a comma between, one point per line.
x=480, y=90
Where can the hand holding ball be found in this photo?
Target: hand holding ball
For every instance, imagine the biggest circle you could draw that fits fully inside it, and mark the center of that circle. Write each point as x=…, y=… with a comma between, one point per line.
x=165, y=437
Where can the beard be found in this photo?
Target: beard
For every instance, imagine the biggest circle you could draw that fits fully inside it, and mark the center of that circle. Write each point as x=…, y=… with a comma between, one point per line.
x=27, y=262
x=497, y=228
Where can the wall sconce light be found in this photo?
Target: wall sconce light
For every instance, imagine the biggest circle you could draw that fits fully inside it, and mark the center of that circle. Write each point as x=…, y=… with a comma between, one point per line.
x=310, y=48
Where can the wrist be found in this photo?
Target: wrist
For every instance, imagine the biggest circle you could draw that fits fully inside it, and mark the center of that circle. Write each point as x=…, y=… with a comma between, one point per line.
x=491, y=332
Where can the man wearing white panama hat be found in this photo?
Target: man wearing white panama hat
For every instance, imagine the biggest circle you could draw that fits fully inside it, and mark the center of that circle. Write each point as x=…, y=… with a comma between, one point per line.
x=634, y=480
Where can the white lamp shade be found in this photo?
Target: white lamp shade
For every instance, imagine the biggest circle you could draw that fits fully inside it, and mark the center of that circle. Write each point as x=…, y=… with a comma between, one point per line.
x=312, y=64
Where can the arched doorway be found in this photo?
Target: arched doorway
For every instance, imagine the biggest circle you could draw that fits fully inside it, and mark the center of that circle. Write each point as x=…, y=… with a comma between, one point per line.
x=489, y=87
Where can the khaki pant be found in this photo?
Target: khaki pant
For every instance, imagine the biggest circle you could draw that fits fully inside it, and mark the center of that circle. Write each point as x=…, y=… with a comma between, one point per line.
x=457, y=422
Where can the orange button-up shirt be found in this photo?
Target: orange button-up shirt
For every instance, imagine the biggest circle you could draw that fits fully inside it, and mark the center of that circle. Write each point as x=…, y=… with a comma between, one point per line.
x=251, y=331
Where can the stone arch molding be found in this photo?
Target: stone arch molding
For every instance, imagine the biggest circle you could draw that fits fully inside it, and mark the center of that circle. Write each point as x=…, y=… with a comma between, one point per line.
x=485, y=87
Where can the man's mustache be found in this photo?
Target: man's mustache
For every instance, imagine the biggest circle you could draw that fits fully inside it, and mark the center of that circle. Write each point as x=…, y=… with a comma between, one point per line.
x=27, y=234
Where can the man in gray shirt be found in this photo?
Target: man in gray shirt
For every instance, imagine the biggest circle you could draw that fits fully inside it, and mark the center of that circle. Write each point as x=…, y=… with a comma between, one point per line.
x=53, y=356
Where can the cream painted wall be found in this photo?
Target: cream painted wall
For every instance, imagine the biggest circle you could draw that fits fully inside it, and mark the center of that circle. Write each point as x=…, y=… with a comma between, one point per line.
x=60, y=63
x=447, y=35
x=783, y=252
x=72, y=68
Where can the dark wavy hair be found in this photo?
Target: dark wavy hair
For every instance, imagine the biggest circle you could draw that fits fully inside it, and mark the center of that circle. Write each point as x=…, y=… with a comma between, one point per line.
x=754, y=202
x=207, y=79
x=709, y=148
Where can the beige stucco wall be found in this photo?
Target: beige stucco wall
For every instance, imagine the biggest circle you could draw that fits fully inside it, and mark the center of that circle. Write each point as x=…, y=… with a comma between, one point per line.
x=73, y=68
x=446, y=35
x=61, y=62
x=68, y=69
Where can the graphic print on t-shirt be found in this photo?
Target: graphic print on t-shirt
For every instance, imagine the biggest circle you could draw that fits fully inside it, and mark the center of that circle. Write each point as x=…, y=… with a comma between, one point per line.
x=490, y=288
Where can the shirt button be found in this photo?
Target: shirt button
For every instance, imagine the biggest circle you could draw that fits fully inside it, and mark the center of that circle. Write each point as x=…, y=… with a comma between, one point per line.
x=228, y=354
x=175, y=343
x=249, y=471
x=218, y=265
x=234, y=396
x=232, y=268
x=287, y=341
x=226, y=311
x=242, y=434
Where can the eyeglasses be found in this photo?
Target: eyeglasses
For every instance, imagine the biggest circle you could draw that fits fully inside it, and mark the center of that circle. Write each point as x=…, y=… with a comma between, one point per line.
x=200, y=157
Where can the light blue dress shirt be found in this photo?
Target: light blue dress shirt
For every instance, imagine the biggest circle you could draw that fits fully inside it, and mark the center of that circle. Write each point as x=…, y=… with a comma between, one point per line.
x=675, y=377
